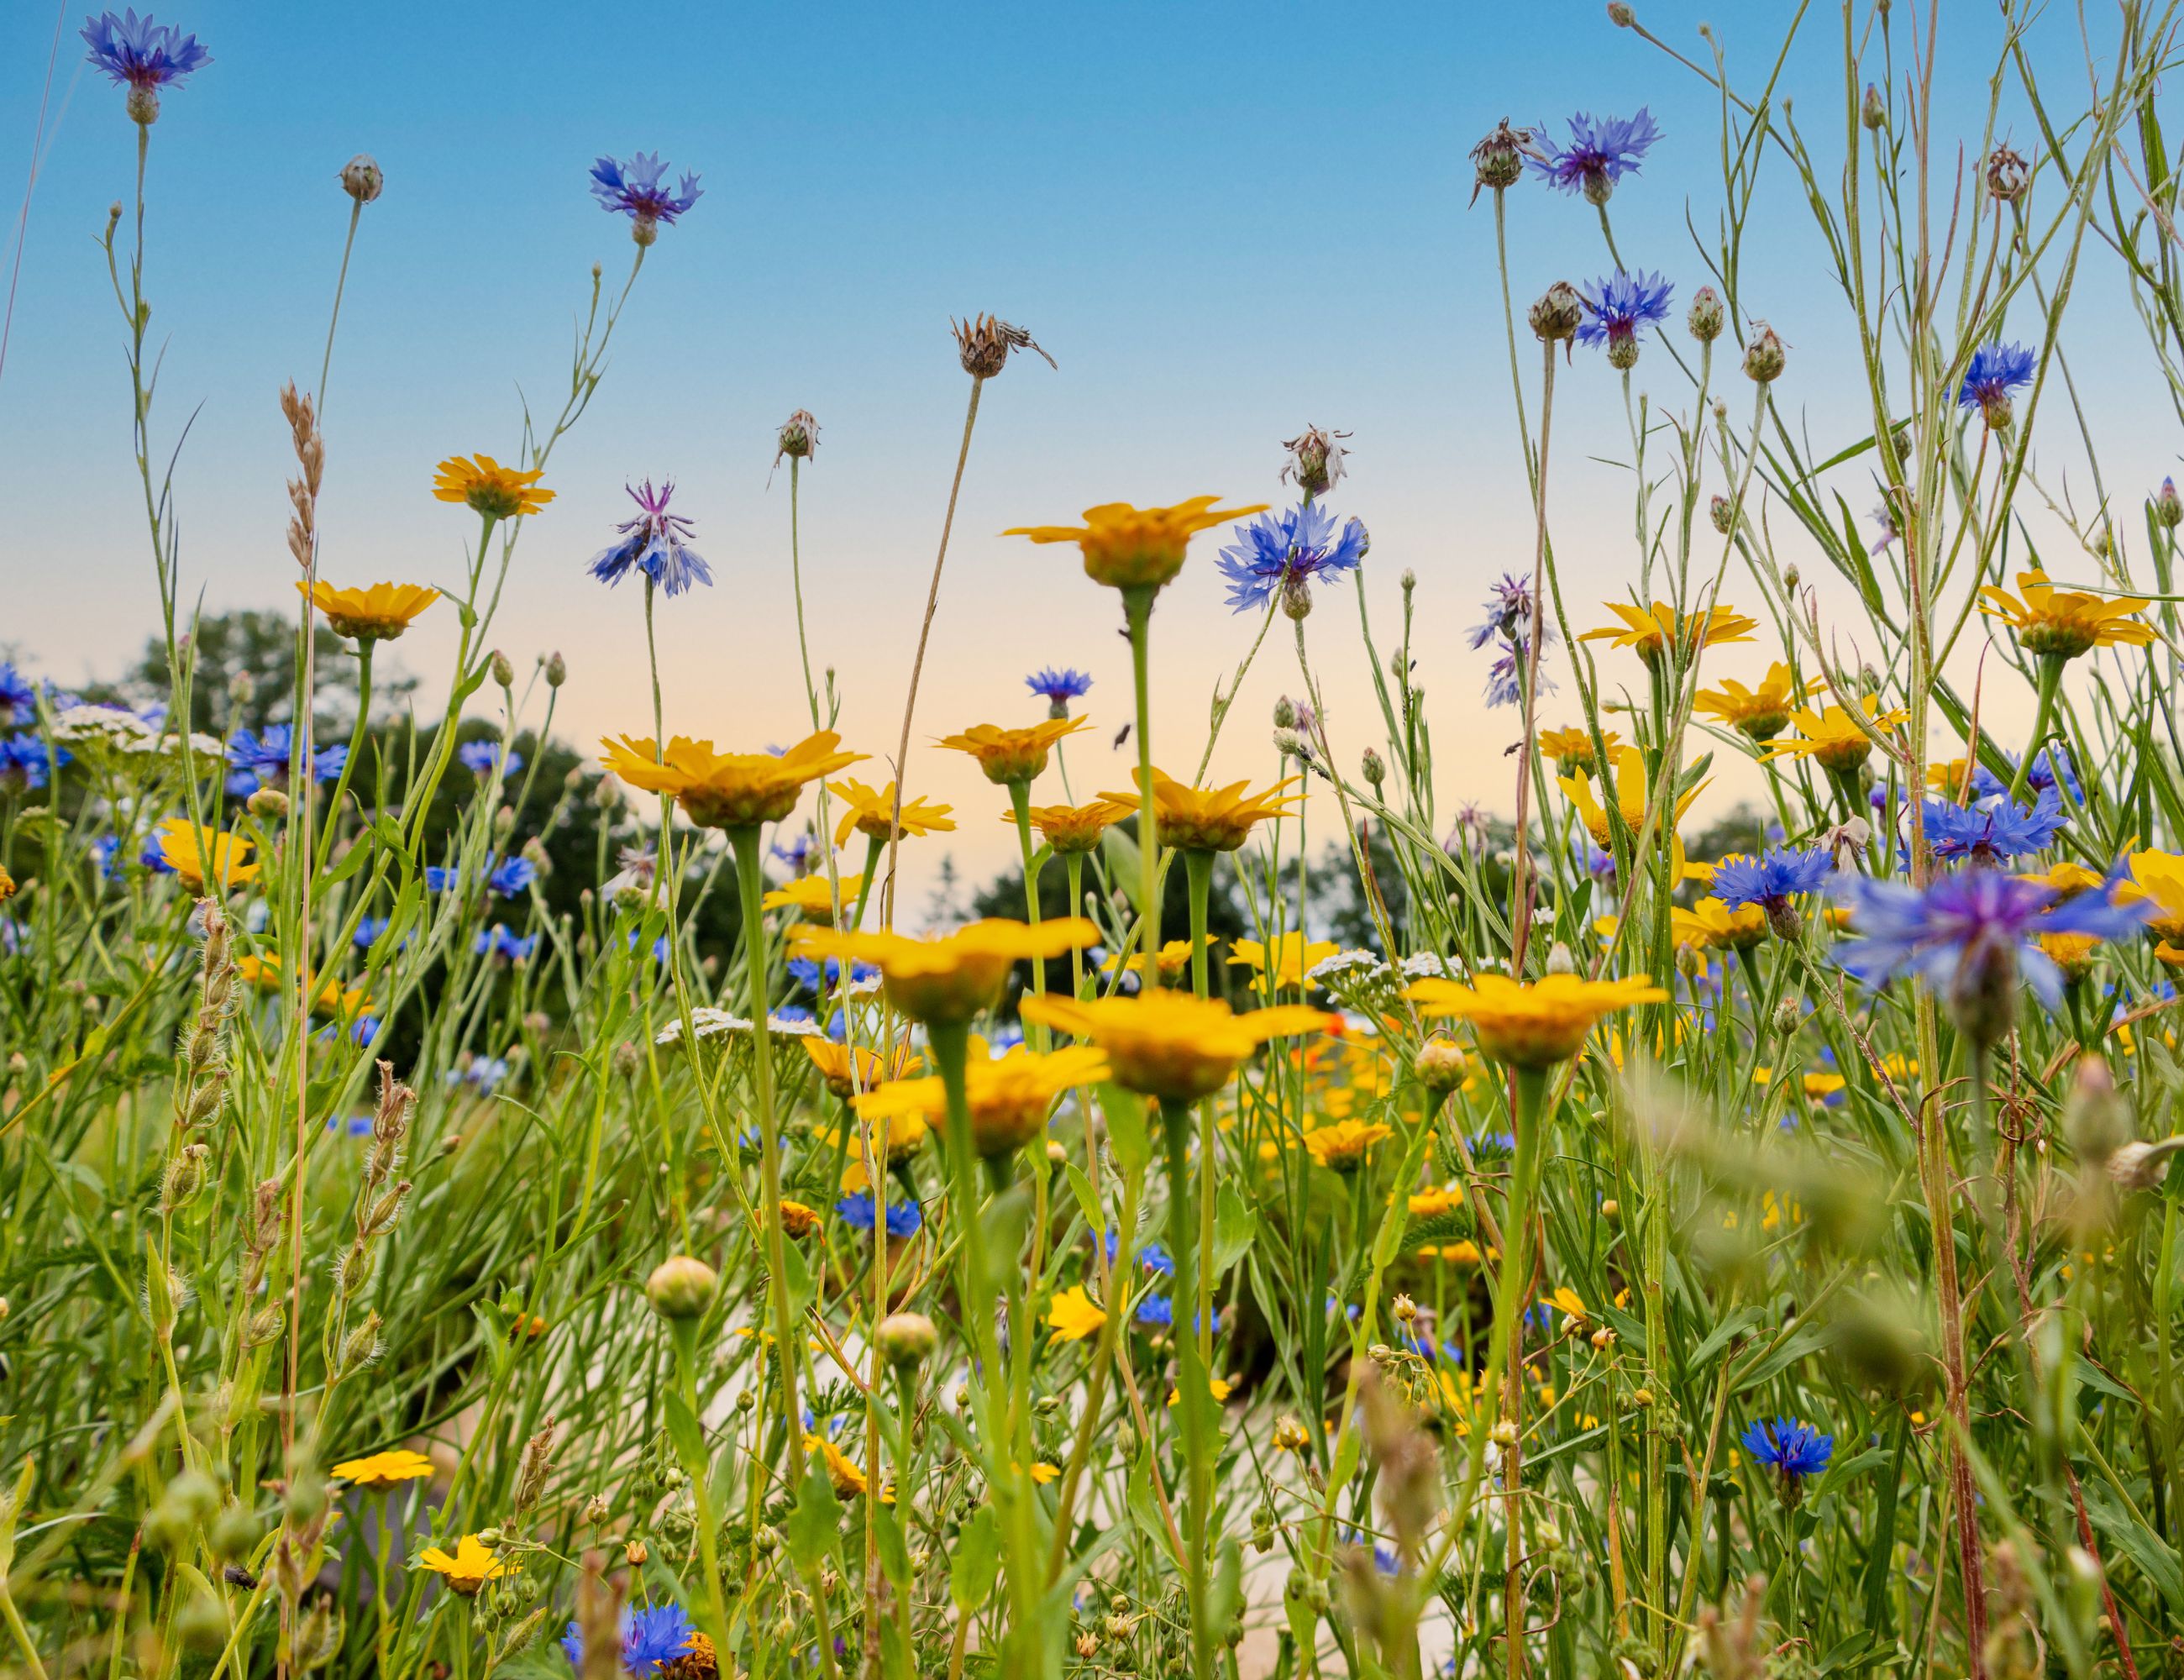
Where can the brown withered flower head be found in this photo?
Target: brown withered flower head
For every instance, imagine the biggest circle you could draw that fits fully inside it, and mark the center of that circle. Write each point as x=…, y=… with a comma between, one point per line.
x=2008, y=175
x=1499, y=158
x=1315, y=461
x=799, y=437
x=985, y=342
x=1558, y=314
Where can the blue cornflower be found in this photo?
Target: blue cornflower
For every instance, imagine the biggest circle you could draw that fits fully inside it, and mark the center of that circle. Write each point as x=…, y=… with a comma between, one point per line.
x=261, y=760
x=1156, y=1312
x=654, y=544
x=1996, y=831
x=808, y=973
x=18, y=699
x=798, y=853
x=1505, y=677
x=903, y=1217
x=1600, y=153
x=24, y=763
x=1284, y=550
x=1971, y=936
x=1623, y=304
x=479, y=756
x=1384, y=1558
x=483, y=1074
x=1510, y=613
x=142, y=56
x=498, y=942
x=1995, y=369
x=2039, y=779
x=1155, y=1257
x=1059, y=687
x=368, y=930
x=634, y=188
x=1773, y=879
x=439, y=880
x=1795, y=1450
x=512, y=878
x=651, y=1640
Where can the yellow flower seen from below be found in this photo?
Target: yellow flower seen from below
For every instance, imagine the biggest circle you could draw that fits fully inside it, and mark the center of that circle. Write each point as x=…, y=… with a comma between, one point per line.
x=1008, y=755
x=382, y=1469
x=949, y=979
x=1008, y=1095
x=1952, y=779
x=1433, y=1202
x=195, y=854
x=1571, y=1305
x=1533, y=1025
x=1042, y=1472
x=1291, y=959
x=1343, y=1146
x=1211, y=819
x=1173, y=1045
x=379, y=613
x=1219, y=1387
x=848, y=1481
x=2065, y=880
x=2072, y=953
x=469, y=1567
x=1710, y=925
x=871, y=812
x=1571, y=749
x=482, y=484
x=811, y=898
x=1758, y=714
x=726, y=790
x=1074, y=828
x=1072, y=1316
x=2157, y=879
x=1653, y=631
x=2064, y=623
x=1629, y=786
x=1175, y=958
x=847, y=1069
x=797, y=1220
x=1835, y=738
x=1127, y=548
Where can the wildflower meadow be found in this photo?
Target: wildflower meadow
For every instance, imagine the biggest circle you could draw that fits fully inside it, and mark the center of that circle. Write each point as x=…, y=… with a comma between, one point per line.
x=479, y=1202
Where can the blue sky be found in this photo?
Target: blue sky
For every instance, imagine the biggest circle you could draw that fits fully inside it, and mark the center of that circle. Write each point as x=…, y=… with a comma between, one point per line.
x=1224, y=221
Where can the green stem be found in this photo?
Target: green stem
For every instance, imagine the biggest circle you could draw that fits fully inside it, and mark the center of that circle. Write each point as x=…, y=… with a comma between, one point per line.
x=1193, y=1386
x=1136, y=616
x=2051, y=678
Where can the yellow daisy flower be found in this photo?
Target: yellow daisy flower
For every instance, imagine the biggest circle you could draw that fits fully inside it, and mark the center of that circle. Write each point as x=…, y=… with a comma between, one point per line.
x=483, y=484
x=1073, y=1314
x=1952, y=779
x=2157, y=878
x=193, y=853
x=849, y=1480
x=469, y=1567
x=1290, y=961
x=1211, y=819
x=950, y=979
x=1008, y=1096
x=726, y=790
x=1833, y=737
x=1136, y=548
x=1074, y=828
x=1175, y=958
x=377, y=614
x=1571, y=749
x=849, y=1068
x=1008, y=755
x=810, y=897
x=1710, y=924
x=1219, y=1387
x=1569, y=1303
x=871, y=812
x=2072, y=953
x=382, y=1469
x=1532, y=1026
x=1170, y=1044
x=1630, y=786
x=1652, y=630
x=797, y=1220
x=1343, y=1146
x=2065, y=622
x=1434, y=1201
x=2065, y=880
x=1759, y=713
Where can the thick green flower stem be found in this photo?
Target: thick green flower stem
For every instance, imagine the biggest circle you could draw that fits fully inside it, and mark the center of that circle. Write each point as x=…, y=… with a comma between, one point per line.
x=1193, y=1383
x=1509, y=1304
x=1019, y=805
x=1198, y=871
x=1007, y=1460
x=685, y=1332
x=1074, y=863
x=2051, y=679
x=363, y=646
x=752, y=880
x=1137, y=617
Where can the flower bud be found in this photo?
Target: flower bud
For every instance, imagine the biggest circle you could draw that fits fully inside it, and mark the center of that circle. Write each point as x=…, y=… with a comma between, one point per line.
x=906, y=1340
x=268, y=805
x=1498, y=160
x=2141, y=1166
x=503, y=673
x=799, y=436
x=1874, y=112
x=1558, y=314
x=1375, y=769
x=637, y=1552
x=243, y=688
x=2095, y=1118
x=1289, y=743
x=2168, y=507
x=557, y=669
x=1611, y=1209
x=361, y=178
x=1561, y=960
x=2007, y=174
x=1763, y=356
x=1620, y=14
x=1285, y=713
x=1722, y=512
x=680, y=1288
x=1439, y=1064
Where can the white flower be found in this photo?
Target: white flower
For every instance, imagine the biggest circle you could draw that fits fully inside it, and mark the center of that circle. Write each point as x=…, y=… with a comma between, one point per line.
x=708, y=1022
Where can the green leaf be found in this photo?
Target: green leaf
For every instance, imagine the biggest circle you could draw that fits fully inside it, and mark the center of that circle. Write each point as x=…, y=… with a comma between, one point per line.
x=811, y=1526
x=894, y=1556
x=1227, y=1586
x=1124, y=868
x=689, y=1439
x=976, y=1563
x=351, y=861
x=1143, y=1506
x=1081, y=1187
x=796, y=1278
x=1235, y=1226
x=1126, y=1127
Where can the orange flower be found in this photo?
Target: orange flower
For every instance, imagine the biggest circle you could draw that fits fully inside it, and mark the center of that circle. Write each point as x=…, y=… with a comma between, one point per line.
x=1008, y=755
x=378, y=614
x=1211, y=819
x=1130, y=547
x=482, y=484
x=726, y=790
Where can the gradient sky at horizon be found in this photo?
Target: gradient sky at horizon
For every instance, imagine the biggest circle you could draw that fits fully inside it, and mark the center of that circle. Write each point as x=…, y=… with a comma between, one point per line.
x=1225, y=221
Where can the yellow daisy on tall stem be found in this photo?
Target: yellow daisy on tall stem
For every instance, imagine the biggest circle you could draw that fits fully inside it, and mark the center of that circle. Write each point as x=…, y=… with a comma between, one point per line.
x=2057, y=626
x=1758, y=714
x=1839, y=741
x=1654, y=630
x=378, y=613
x=198, y=854
x=482, y=484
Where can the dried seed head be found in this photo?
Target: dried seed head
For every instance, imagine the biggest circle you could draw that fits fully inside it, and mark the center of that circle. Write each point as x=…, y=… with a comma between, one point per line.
x=1764, y=356
x=362, y=178
x=985, y=342
x=1558, y=314
x=799, y=436
x=1499, y=160
x=536, y=1465
x=1315, y=461
x=1874, y=112
x=2008, y=175
x=1706, y=315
